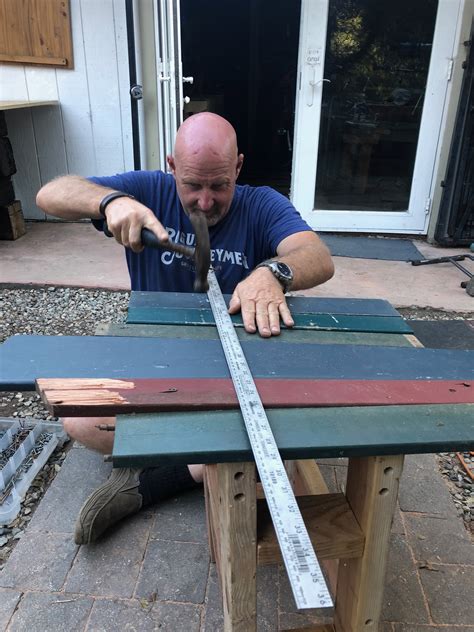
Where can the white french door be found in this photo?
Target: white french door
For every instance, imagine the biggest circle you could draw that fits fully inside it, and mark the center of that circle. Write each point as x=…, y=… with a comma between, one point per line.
x=372, y=85
x=169, y=75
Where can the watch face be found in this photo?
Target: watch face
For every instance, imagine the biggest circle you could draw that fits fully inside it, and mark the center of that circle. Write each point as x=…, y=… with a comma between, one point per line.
x=284, y=270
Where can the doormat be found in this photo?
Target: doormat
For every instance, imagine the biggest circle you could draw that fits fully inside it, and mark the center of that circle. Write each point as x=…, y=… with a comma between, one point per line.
x=444, y=334
x=371, y=247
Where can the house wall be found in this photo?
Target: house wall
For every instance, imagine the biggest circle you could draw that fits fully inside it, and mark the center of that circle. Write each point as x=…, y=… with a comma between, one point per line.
x=89, y=131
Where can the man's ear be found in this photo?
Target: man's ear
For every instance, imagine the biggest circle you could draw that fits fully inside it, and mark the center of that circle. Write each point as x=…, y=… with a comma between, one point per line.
x=240, y=162
x=171, y=164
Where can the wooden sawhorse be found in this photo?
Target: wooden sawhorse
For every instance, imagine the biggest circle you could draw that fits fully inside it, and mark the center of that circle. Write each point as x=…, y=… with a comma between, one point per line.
x=353, y=527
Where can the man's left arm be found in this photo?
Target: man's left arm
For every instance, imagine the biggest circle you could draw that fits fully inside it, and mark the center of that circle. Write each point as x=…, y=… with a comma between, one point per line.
x=260, y=296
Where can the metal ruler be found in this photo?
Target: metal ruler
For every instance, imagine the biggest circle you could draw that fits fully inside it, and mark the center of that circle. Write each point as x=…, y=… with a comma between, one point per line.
x=304, y=572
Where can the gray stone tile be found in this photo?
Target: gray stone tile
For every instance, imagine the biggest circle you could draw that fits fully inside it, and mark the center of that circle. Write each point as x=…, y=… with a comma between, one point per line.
x=329, y=476
x=58, y=612
x=290, y=616
x=8, y=601
x=449, y=591
x=341, y=478
x=110, y=567
x=110, y=615
x=39, y=562
x=401, y=627
x=397, y=524
x=422, y=488
x=213, y=617
x=267, y=598
x=176, y=571
x=403, y=598
x=81, y=472
x=439, y=540
x=335, y=461
x=182, y=519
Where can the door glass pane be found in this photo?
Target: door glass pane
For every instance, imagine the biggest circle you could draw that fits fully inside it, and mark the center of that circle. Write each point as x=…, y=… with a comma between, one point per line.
x=377, y=59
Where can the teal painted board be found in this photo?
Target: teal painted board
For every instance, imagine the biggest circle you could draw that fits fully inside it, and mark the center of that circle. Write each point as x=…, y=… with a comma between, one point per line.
x=328, y=322
x=297, y=304
x=286, y=335
x=220, y=436
x=23, y=359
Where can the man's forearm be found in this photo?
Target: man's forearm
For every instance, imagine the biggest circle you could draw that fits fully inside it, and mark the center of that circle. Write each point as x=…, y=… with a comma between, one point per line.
x=310, y=262
x=71, y=197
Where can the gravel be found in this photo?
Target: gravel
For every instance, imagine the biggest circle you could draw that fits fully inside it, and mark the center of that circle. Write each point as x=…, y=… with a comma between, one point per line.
x=77, y=311
x=49, y=311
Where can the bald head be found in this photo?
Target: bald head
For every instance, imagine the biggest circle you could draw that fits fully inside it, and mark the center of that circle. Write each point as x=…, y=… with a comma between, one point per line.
x=206, y=165
x=206, y=135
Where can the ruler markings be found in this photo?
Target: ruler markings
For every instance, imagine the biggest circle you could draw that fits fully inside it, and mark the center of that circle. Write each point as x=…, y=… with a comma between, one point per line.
x=304, y=572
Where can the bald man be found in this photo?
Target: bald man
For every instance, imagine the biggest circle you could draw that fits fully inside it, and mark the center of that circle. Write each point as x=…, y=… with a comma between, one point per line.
x=260, y=248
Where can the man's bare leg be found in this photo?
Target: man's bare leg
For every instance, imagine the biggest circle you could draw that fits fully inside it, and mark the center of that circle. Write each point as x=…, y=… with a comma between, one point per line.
x=85, y=431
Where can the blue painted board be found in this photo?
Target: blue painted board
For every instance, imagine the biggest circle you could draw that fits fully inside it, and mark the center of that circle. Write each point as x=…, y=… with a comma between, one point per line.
x=26, y=358
x=297, y=304
x=220, y=436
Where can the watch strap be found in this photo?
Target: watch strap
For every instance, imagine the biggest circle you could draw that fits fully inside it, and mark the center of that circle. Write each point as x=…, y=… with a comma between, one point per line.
x=109, y=197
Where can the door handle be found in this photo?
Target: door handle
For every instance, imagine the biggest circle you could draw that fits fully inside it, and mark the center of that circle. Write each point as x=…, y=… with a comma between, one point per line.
x=188, y=79
x=313, y=85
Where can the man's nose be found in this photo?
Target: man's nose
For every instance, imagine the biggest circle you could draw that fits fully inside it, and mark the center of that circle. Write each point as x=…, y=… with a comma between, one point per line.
x=205, y=201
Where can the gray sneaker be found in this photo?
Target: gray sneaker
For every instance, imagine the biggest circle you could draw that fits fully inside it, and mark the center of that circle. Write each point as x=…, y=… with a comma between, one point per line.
x=116, y=498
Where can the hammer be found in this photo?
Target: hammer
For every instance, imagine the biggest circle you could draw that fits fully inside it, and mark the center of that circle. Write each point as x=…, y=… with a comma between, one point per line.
x=201, y=254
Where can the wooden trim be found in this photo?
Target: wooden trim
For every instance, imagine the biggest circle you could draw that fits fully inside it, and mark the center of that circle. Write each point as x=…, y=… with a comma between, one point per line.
x=26, y=59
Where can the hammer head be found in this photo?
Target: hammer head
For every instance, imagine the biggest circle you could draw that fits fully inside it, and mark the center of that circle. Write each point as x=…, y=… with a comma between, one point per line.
x=202, y=251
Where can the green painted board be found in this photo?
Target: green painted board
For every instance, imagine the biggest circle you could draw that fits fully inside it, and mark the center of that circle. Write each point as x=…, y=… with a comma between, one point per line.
x=286, y=335
x=329, y=322
x=220, y=436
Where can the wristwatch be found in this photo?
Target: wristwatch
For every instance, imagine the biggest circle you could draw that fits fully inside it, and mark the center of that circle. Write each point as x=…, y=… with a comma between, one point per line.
x=281, y=271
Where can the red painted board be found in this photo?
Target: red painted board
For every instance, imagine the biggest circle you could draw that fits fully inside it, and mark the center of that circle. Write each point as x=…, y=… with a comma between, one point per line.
x=102, y=397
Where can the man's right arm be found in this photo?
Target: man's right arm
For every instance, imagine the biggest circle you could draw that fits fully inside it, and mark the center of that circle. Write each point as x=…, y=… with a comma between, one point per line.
x=71, y=197
x=74, y=197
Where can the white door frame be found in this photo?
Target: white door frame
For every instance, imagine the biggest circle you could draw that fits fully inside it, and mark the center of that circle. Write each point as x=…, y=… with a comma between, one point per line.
x=415, y=220
x=167, y=23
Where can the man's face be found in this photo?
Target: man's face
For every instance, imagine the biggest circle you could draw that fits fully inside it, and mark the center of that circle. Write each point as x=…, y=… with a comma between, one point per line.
x=206, y=183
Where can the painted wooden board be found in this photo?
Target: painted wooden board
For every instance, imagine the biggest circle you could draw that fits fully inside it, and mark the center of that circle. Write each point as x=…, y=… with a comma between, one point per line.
x=286, y=335
x=87, y=397
x=25, y=358
x=330, y=322
x=220, y=436
x=297, y=304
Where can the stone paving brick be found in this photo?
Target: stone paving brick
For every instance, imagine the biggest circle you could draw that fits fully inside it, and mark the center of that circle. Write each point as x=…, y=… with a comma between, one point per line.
x=439, y=540
x=57, y=612
x=400, y=627
x=403, y=598
x=329, y=476
x=290, y=616
x=110, y=615
x=397, y=524
x=176, y=571
x=213, y=616
x=39, y=562
x=341, y=478
x=181, y=519
x=81, y=472
x=422, y=488
x=8, y=601
x=267, y=598
x=110, y=567
x=449, y=590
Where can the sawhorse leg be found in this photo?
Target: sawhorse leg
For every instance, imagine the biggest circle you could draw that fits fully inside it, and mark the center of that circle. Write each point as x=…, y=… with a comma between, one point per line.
x=372, y=490
x=230, y=490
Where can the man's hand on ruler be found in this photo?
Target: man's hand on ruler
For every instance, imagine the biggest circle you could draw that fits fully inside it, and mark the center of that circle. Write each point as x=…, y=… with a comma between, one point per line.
x=261, y=300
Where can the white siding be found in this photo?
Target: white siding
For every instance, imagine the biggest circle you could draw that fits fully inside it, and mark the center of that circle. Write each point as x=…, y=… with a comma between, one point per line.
x=89, y=132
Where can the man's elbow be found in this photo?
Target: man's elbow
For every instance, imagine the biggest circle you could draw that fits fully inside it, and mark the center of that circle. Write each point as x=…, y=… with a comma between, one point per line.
x=328, y=268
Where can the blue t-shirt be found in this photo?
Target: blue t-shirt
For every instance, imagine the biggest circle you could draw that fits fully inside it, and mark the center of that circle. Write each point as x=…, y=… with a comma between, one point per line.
x=259, y=218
